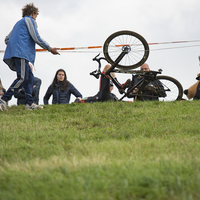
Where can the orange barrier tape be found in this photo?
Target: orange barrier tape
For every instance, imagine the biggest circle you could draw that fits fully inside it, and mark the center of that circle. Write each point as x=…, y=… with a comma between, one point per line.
x=95, y=47
x=173, y=42
x=74, y=48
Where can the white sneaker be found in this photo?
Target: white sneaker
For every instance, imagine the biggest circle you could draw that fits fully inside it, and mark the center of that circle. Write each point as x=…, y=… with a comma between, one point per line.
x=33, y=106
x=3, y=105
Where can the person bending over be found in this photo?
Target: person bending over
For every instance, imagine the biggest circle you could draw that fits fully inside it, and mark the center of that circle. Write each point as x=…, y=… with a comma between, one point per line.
x=61, y=89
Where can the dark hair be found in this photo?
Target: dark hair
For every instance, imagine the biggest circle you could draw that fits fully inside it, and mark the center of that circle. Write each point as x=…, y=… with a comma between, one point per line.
x=28, y=9
x=64, y=84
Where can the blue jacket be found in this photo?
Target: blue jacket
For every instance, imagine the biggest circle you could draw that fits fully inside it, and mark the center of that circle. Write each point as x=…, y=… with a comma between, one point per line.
x=21, y=42
x=61, y=97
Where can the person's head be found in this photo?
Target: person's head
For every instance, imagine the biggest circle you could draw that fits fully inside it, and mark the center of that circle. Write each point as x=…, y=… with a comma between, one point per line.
x=30, y=10
x=60, y=75
x=60, y=79
x=144, y=67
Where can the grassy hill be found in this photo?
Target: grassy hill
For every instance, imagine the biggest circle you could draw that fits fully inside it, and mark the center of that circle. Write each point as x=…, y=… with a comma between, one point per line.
x=112, y=150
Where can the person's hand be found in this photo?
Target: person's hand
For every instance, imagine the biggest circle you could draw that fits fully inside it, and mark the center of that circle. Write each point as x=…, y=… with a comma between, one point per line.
x=54, y=51
x=31, y=66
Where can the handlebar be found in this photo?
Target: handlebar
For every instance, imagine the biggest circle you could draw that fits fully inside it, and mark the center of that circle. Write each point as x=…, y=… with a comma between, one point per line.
x=97, y=72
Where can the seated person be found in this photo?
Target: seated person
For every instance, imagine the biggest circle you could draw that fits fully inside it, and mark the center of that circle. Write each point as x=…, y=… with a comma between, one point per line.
x=104, y=93
x=150, y=92
x=194, y=90
x=61, y=89
x=20, y=94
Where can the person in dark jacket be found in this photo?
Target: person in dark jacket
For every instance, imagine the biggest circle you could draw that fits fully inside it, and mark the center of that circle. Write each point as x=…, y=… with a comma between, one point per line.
x=61, y=89
x=20, y=94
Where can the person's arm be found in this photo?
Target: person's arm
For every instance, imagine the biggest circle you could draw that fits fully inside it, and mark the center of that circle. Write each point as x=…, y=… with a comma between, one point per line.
x=32, y=28
x=74, y=91
x=36, y=85
x=47, y=96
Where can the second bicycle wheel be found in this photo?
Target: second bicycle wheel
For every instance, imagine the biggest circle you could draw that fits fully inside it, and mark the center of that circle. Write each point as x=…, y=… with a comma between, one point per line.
x=138, y=49
x=167, y=89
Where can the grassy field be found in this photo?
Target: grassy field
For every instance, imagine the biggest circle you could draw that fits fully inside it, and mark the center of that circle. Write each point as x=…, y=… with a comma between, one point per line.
x=101, y=151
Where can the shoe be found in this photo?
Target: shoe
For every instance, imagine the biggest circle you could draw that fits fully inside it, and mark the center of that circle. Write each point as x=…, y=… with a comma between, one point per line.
x=3, y=105
x=124, y=86
x=33, y=106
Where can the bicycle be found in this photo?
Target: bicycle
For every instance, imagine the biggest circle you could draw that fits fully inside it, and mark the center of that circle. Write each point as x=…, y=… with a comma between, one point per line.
x=127, y=50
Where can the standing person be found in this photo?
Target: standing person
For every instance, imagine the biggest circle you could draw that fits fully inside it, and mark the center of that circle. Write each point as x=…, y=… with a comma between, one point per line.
x=20, y=55
x=61, y=89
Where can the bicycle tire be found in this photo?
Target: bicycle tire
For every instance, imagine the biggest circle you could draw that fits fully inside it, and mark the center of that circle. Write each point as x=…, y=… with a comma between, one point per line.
x=139, y=49
x=172, y=88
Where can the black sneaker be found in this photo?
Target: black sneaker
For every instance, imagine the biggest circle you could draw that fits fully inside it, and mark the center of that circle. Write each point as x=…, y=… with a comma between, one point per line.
x=124, y=86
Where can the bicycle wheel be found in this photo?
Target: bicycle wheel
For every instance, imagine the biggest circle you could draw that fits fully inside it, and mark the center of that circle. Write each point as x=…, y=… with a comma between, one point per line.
x=167, y=89
x=138, y=49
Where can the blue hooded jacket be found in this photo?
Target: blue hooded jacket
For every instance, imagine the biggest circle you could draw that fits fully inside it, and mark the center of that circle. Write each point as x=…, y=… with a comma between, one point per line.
x=21, y=42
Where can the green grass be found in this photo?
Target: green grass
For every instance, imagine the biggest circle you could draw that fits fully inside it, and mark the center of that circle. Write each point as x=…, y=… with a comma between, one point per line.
x=112, y=150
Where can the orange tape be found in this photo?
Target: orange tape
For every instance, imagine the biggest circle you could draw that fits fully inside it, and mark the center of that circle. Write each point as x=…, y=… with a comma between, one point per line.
x=120, y=45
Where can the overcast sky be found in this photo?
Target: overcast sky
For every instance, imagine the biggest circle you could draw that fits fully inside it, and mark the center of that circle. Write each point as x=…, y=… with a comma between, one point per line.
x=83, y=23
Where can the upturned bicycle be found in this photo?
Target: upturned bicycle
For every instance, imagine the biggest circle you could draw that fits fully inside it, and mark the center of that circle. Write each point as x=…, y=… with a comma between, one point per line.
x=127, y=50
